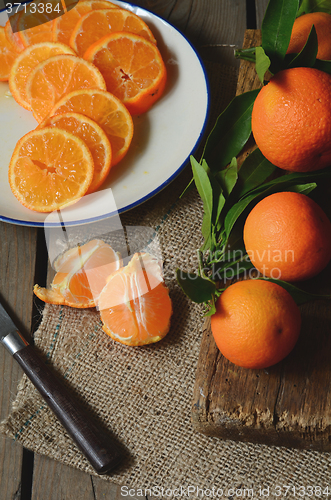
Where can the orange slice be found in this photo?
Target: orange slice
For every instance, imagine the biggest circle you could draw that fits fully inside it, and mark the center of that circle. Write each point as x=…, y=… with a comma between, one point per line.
x=93, y=136
x=26, y=62
x=35, y=24
x=132, y=67
x=64, y=25
x=99, y=23
x=14, y=37
x=50, y=169
x=56, y=77
x=7, y=55
x=135, y=306
x=105, y=109
x=82, y=273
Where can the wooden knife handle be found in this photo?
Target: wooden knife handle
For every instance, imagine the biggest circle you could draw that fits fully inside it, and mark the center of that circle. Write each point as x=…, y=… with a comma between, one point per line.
x=82, y=430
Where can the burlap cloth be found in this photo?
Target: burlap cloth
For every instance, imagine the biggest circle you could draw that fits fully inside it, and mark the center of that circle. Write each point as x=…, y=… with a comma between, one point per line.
x=144, y=395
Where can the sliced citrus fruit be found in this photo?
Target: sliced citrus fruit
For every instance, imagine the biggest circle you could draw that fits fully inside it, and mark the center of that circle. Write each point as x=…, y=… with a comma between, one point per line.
x=8, y=55
x=135, y=306
x=36, y=23
x=81, y=274
x=11, y=35
x=26, y=61
x=50, y=169
x=105, y=109
x=64, y=25
x=132, y=67
x=99, y=23
x=56, y=77
x=93, y=136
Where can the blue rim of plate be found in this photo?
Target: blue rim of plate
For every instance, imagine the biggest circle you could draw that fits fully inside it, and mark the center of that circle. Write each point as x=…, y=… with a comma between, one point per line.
x=156, y=190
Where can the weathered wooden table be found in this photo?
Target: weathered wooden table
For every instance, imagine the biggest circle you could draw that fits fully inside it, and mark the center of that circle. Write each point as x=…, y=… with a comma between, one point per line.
x=214, y=27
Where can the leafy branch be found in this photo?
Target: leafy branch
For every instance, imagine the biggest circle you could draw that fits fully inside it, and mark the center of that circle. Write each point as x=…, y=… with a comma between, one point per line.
x=228, y=191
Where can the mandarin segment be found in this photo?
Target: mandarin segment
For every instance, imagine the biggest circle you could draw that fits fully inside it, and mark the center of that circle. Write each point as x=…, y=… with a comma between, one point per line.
x=93, y=136
x=81, y=274
x=55, y=78
x=99, y=23
x=135, y=306
x=132, y=67
x=26, y=61
x=256, y=324
x=50, y=169
x=105, y=109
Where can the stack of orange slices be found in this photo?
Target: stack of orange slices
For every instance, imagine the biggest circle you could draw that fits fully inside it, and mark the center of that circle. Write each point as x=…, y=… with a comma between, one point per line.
x=83, y=75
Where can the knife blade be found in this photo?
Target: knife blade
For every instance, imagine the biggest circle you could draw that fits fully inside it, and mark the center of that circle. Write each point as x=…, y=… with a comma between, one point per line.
x=103, y=456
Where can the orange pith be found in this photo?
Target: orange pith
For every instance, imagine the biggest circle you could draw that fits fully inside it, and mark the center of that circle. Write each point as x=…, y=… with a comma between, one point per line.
x=301, y=29
x=288, y=236
x=93, y=136
x=98, y=23
x=132, y=67
x=105, y=109
x=256, y=324
x=291, y=119
x=8, y=55
x=135, y=306
x=64, y=25
x=56, y=77
x=26, y=62
x=50, y=169
x=81, y=274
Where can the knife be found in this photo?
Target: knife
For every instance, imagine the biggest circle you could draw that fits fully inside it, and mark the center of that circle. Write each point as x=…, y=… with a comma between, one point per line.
x=81, y=429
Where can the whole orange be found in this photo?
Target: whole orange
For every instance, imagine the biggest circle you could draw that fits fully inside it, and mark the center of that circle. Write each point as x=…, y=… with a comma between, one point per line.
x=288, y=236
x=291, y=119
x=301, y=29
x=256, y=324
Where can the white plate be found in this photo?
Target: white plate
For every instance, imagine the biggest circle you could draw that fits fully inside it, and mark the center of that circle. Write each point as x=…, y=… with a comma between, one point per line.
x=164, y=137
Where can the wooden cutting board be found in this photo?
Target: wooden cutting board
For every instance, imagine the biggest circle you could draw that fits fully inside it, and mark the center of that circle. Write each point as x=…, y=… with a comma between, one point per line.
x=288, y=404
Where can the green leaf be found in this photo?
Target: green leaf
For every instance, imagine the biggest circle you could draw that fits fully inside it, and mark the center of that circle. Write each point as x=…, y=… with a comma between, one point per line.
x=205, y=191
x=195, y=287
x=230, y=271
x=304, y=188
x=276, y=30
x=300, y=296
x=204, y=188
x=314, y=6
x=228, y=177
x=307, y=57
x=254, y=170
x=323, y=66
x=231, y=131
x=262, y=63
x=294, y=178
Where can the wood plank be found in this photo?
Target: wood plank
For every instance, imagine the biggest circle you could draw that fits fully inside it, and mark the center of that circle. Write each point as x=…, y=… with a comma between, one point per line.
x=260, y=7
x=214, y=28
x=287, y=404
x=18, y=250
x=52, y=480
